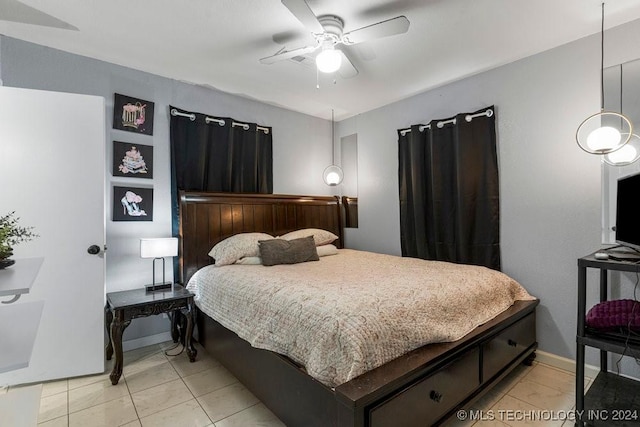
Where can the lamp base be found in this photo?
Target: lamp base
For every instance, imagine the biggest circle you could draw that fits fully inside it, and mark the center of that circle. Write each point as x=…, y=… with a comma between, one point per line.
x=158, y=287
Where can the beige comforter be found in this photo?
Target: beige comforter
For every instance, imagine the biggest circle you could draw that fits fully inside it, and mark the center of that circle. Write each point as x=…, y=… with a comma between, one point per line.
x=351, y=312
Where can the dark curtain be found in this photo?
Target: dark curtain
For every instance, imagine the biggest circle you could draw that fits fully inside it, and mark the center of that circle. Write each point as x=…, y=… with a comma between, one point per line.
x=209, y=157
x=449, y=191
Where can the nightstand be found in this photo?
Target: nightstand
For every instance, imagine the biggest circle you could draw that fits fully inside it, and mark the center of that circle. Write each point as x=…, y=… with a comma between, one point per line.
x=124, y=306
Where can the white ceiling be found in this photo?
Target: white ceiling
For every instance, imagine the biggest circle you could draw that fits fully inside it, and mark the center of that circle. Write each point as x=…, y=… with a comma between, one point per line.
x=218, y=43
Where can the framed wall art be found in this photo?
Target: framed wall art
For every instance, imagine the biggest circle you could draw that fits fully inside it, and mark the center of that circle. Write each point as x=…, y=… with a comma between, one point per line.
x=132, y=160
x=132, y=114
x=132, y=203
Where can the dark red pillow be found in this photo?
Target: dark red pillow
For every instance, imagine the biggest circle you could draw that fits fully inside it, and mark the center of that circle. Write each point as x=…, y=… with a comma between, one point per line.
x=614, y=315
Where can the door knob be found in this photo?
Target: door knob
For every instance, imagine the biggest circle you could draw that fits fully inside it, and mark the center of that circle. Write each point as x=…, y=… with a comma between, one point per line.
x=93, y=249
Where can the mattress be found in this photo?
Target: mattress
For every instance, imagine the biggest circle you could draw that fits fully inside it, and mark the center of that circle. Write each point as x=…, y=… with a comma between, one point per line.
x=349, y=313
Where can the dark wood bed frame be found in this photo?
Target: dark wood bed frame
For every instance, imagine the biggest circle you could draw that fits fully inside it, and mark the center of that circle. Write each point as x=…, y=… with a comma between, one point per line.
x=421, y=388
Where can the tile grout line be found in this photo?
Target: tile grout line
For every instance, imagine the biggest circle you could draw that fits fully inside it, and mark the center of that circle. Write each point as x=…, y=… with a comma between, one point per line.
x=237, y=412
x=132, y=402
x=196, y=399
x=135, y=408
x=68, y=405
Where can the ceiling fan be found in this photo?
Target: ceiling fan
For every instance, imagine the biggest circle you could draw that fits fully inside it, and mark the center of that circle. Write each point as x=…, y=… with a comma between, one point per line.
x=15, y=11
x=327, y=30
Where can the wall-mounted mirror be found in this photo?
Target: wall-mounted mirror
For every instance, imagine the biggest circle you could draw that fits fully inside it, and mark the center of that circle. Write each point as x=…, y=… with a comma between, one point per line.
x=621, y=94
x=349, y=160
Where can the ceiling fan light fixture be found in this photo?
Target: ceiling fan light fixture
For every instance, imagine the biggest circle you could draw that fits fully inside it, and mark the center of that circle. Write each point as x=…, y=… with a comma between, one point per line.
x=329, y=60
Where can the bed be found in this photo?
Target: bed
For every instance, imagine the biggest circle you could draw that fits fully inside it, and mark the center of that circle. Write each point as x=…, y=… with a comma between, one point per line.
x=422, y=387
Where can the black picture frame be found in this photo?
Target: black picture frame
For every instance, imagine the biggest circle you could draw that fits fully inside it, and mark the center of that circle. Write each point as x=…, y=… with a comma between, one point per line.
x=132, y=114
x=132, y=160
x=132, y=203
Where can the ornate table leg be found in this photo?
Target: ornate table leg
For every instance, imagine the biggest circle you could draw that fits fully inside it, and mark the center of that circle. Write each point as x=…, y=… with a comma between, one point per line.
x=118, y=325
x=188, y=339
x=174, y=326
x=107, y=324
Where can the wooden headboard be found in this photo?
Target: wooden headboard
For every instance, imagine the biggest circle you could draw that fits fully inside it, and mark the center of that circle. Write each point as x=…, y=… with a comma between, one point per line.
x=208, y=218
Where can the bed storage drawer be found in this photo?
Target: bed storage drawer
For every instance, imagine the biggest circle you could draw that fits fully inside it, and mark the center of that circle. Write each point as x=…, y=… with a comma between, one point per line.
x=424, y=402
x=507, y=345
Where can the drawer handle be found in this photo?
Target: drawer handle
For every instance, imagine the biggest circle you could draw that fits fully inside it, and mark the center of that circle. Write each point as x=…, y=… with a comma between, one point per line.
x=435, y=396
x=512, y=343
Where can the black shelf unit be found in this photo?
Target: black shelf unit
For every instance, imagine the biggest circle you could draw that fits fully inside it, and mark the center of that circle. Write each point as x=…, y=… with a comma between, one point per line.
x=611, y=400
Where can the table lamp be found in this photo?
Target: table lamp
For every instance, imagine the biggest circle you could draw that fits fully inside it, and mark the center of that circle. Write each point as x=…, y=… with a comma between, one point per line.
x=158, y=249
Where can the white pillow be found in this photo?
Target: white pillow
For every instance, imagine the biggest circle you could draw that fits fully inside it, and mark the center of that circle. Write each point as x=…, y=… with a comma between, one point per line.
x=320, y=236
x=237, y=246
x=324, y=250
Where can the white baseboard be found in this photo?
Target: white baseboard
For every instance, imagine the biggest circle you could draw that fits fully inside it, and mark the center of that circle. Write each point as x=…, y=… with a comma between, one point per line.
x=565, y=363
x=145, y=341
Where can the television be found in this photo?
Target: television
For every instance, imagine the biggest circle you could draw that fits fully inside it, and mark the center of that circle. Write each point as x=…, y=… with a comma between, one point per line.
x=627, y=214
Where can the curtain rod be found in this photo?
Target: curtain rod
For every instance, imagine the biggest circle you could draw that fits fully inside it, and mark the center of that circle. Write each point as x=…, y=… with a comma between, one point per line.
x=221, y=122
x=440, y=124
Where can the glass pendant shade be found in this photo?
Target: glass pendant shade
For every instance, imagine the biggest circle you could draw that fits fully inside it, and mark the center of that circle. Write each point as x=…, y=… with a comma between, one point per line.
x=604, y=132
x=333, y=175
x=626, y=155
x=329, y=60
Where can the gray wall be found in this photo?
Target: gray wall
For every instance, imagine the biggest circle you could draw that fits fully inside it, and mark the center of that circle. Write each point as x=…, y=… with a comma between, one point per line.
x=301, y=145
x=549, y=188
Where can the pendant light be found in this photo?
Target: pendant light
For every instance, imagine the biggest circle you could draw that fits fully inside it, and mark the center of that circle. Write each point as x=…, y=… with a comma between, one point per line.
x=333, y=174
x=606, y=131
x=631, y=150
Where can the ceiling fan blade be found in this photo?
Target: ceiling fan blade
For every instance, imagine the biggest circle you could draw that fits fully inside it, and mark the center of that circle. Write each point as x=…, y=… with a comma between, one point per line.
x=287, y=54
x=390, y=27
x=294, y=38
x=347, y=69
x=13, y=10
x=304, y=14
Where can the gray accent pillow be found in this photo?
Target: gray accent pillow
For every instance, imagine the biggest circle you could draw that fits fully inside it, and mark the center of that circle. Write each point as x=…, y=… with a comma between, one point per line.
x=280, y=251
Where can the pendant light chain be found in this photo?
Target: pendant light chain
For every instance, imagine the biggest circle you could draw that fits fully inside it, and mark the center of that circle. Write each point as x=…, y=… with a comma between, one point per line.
x=333, y=174
x=602, y=61
x=333, y=142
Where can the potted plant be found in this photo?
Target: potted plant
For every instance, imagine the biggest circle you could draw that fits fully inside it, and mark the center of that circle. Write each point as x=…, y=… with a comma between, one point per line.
x=10, y=235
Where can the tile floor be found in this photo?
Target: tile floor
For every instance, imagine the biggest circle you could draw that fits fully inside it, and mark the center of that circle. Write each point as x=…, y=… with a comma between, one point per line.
x=158, y=389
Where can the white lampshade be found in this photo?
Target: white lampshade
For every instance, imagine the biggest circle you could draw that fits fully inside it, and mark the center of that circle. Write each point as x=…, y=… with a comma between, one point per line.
x=159, y=248
x=329, y=60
